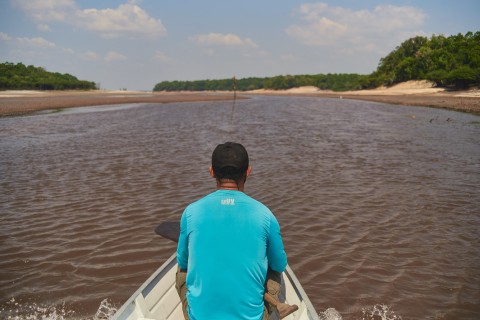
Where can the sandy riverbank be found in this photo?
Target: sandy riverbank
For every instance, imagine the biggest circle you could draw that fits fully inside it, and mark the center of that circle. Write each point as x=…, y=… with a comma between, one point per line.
x=413, y=93
x=23, y=102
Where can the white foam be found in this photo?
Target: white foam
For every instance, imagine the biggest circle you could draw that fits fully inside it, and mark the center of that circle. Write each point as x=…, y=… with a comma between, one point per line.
x=330, y=314
x=379, y=311
x=105, y=311
x=15, y=310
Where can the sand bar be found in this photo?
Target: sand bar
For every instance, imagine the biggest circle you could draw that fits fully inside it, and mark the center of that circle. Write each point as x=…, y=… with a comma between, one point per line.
x=14, y=103
x=412, y=93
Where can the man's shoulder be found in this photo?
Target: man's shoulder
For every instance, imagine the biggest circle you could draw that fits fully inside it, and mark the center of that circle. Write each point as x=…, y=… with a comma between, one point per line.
x=258, y=203
x=260, y=208
x=199, y=202
x=217, y=197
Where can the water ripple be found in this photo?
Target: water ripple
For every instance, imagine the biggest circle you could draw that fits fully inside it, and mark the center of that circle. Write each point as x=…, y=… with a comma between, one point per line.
x=379, y=211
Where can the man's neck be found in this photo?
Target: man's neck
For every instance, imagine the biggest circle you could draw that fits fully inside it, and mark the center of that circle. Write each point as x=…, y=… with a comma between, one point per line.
x=228, y=184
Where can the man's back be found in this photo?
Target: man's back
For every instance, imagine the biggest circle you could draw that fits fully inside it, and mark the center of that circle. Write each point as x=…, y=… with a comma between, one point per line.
x=227, y=242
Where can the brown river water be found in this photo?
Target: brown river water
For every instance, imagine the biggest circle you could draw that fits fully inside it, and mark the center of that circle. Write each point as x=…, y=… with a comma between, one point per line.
x=379, y=205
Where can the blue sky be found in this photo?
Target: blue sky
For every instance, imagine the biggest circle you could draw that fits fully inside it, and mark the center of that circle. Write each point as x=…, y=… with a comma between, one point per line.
x=135, y=44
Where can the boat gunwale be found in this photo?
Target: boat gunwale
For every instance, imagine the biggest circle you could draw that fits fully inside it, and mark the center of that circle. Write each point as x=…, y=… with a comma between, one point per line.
x=150, y=283
x=297, y=286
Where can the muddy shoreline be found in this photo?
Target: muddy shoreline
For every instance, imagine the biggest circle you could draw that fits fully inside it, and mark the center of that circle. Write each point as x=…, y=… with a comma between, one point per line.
x=444, y=100
x=21, y=103
x=441, y=101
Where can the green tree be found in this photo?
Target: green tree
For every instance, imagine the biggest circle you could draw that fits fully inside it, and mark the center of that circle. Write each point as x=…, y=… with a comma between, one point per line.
x=463, y=77
x=18, y=76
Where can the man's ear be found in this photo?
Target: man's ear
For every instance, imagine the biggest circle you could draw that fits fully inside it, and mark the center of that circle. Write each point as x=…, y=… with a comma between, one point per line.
x=212, y=173
x=249, y=170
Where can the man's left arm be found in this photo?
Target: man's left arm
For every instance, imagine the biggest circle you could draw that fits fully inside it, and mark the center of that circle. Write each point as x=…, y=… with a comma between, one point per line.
x=277, y=258
x=182, y=260
x=182, y=248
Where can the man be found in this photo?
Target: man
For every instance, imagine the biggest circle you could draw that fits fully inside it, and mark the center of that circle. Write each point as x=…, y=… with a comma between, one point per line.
x=227, y=243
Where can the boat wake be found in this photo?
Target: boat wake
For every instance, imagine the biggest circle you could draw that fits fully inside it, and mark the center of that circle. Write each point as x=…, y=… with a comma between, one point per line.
x=106, y=310
x=376, y=312
x=15, y=310
x=379, y=312
x=330, y=314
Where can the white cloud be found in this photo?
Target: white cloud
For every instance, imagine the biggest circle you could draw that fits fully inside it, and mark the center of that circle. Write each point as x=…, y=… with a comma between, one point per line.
x=114, y=56
x=43, y=27
x=90, y=56
x=47, y=10
x=362, y=30
x=23, y=54
x=161, y=57
x=68, y=50
x=222, y=39
x=126, y=20
x=36, y=42
x=5, y=37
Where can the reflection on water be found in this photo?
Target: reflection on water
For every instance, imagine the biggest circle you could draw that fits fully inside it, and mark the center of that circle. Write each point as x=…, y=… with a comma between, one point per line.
x=378, y=204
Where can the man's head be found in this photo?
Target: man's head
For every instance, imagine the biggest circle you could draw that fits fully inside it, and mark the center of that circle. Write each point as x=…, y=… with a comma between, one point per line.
x=230, y=161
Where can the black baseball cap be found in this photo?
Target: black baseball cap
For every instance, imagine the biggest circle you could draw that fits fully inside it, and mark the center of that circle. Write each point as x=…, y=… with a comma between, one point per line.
x=229, y=160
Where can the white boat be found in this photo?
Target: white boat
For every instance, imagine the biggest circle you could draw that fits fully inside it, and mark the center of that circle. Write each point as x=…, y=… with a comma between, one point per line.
x=157, y=298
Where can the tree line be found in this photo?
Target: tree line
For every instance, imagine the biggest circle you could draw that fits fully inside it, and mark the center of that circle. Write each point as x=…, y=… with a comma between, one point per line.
x=447, y=61
x=452, y=61
x=21, y=77
x=337, y=82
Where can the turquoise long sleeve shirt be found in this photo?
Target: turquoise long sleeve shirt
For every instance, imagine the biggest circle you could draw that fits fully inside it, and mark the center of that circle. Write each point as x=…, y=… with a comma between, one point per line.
x=227, y=242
